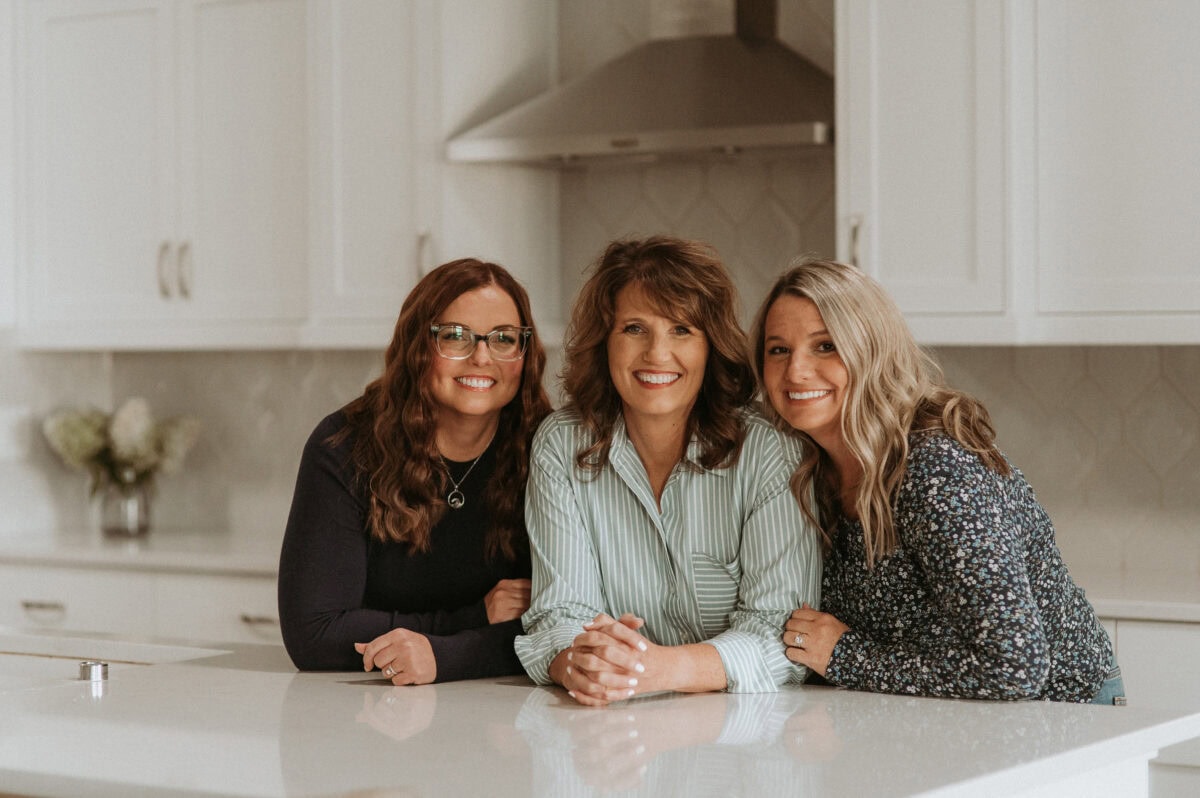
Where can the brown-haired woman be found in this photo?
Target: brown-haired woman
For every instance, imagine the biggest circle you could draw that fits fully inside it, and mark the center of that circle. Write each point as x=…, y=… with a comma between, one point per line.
x=660, y=520
x=406, y=548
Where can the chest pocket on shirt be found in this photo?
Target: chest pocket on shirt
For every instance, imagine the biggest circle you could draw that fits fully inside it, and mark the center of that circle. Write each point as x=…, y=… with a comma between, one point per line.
x=716, y=591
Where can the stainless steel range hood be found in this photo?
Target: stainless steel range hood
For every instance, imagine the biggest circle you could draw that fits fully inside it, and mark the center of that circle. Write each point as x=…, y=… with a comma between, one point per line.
x=679, y=96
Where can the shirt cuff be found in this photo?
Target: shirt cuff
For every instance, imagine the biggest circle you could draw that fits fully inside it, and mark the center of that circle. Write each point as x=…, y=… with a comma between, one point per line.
x=537, y=650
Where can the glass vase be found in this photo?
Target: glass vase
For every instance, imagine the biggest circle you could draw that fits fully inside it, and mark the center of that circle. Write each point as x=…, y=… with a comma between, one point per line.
x=125, y=510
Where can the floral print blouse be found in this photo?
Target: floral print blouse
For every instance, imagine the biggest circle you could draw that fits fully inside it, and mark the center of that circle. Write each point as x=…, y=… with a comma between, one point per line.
x=976, y=601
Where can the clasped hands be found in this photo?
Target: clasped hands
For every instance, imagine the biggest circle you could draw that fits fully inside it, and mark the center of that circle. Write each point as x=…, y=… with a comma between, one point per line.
x=609, y=662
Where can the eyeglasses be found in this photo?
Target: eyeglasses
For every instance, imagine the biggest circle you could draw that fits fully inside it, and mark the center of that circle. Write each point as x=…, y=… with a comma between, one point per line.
x=458, y=341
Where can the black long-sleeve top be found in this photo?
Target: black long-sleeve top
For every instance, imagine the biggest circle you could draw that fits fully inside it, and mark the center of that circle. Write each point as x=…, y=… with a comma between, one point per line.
x=339, y=586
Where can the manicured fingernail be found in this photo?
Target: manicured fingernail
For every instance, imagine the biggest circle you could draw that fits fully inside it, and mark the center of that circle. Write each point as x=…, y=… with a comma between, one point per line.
x=589, y=625
x=630, y=694
x=641, y=646
x=641, y=749
x=570, y=656
x=640, y=668
x=633, y=682
x=568, y=670
x=571, y=693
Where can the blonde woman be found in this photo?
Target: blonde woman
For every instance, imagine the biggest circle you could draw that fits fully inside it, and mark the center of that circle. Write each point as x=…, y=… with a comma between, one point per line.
x=942, y=576
x=660, y=523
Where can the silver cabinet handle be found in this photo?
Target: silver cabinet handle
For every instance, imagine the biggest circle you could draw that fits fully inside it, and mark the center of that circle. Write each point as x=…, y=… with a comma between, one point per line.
x=185, y=269
x=43, y=606
x=164, y=287
x=258, y=620
x=855, y=227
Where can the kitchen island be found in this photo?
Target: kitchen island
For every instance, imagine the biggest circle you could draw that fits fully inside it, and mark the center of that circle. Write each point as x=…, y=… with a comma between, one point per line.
x=175, y=718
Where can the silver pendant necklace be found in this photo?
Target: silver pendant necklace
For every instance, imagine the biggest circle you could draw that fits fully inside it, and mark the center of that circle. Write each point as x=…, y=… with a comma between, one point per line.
x=455, y=497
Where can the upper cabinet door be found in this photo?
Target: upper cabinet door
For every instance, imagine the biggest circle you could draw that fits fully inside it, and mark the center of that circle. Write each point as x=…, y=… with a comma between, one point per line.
x=921, y=158
x=374, y=86
x=1117, y=130
x=98, y=156
x=165, y=165
x=243, y=131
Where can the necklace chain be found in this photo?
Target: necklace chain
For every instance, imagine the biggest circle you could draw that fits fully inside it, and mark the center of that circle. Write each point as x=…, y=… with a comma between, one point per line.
x=455, y=497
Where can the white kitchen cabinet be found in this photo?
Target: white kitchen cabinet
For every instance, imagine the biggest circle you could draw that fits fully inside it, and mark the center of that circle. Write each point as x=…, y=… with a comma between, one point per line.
x=391, y=82
x=921, y=158
x=218, y=608
x=1158, y=664
x=207, y=607
x=165, y=172
x=1022, y=172
x=76, y=599
x=1112, y=128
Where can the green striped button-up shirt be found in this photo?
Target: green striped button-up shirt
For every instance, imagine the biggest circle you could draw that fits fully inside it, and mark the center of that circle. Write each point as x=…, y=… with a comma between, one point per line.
x=725, y=560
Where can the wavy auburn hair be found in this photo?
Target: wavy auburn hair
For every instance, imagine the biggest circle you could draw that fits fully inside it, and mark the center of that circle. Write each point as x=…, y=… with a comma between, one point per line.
x=685, y=282
x=894, y=388
x=395, y=421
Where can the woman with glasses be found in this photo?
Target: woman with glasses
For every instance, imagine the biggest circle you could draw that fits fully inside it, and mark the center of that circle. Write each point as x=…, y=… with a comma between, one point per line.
x=405, y=548
x=660, y=521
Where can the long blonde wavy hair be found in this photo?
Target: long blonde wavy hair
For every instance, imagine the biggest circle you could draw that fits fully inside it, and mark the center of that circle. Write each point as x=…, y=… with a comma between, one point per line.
x=394, y=422
x=894, y=388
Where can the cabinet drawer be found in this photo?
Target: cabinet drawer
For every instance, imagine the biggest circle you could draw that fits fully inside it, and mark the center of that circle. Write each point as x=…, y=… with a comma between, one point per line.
x=35, y=597
x=230, y=609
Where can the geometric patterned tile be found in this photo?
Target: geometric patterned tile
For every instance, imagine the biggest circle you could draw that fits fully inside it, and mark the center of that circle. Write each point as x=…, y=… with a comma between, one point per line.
x=1162, y=427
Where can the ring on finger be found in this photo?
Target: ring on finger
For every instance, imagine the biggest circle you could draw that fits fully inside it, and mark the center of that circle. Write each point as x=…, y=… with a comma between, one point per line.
x=799, y=640
x=389, y=671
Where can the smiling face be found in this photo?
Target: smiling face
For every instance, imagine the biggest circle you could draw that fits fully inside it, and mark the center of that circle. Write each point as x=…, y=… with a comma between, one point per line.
x=478, y=387
x=804, y=377
x=656, y=363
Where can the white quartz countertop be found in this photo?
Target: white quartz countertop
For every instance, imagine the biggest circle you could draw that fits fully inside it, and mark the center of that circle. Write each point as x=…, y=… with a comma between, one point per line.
x=239, y=720
x=194, y=551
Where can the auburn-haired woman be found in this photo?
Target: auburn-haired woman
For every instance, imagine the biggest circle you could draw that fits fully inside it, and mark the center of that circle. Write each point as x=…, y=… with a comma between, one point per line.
x=405, y=548
x=942, y=576
x=661, y=527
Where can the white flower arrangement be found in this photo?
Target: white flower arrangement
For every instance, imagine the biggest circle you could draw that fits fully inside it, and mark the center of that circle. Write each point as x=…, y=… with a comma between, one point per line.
x=125, y=448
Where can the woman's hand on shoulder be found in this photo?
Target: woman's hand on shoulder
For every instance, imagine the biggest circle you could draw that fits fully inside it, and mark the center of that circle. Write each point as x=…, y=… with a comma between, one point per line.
x=810, y=636
x=404, y=656
x=508, y=600
x=604, y=664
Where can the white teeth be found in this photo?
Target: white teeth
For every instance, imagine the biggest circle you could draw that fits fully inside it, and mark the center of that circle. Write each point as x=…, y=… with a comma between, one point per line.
x=656, y=379
x=476, y=382
x=798, y=395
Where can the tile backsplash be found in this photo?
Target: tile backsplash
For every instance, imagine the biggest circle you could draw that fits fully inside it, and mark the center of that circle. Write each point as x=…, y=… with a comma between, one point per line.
x=1108, y=436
